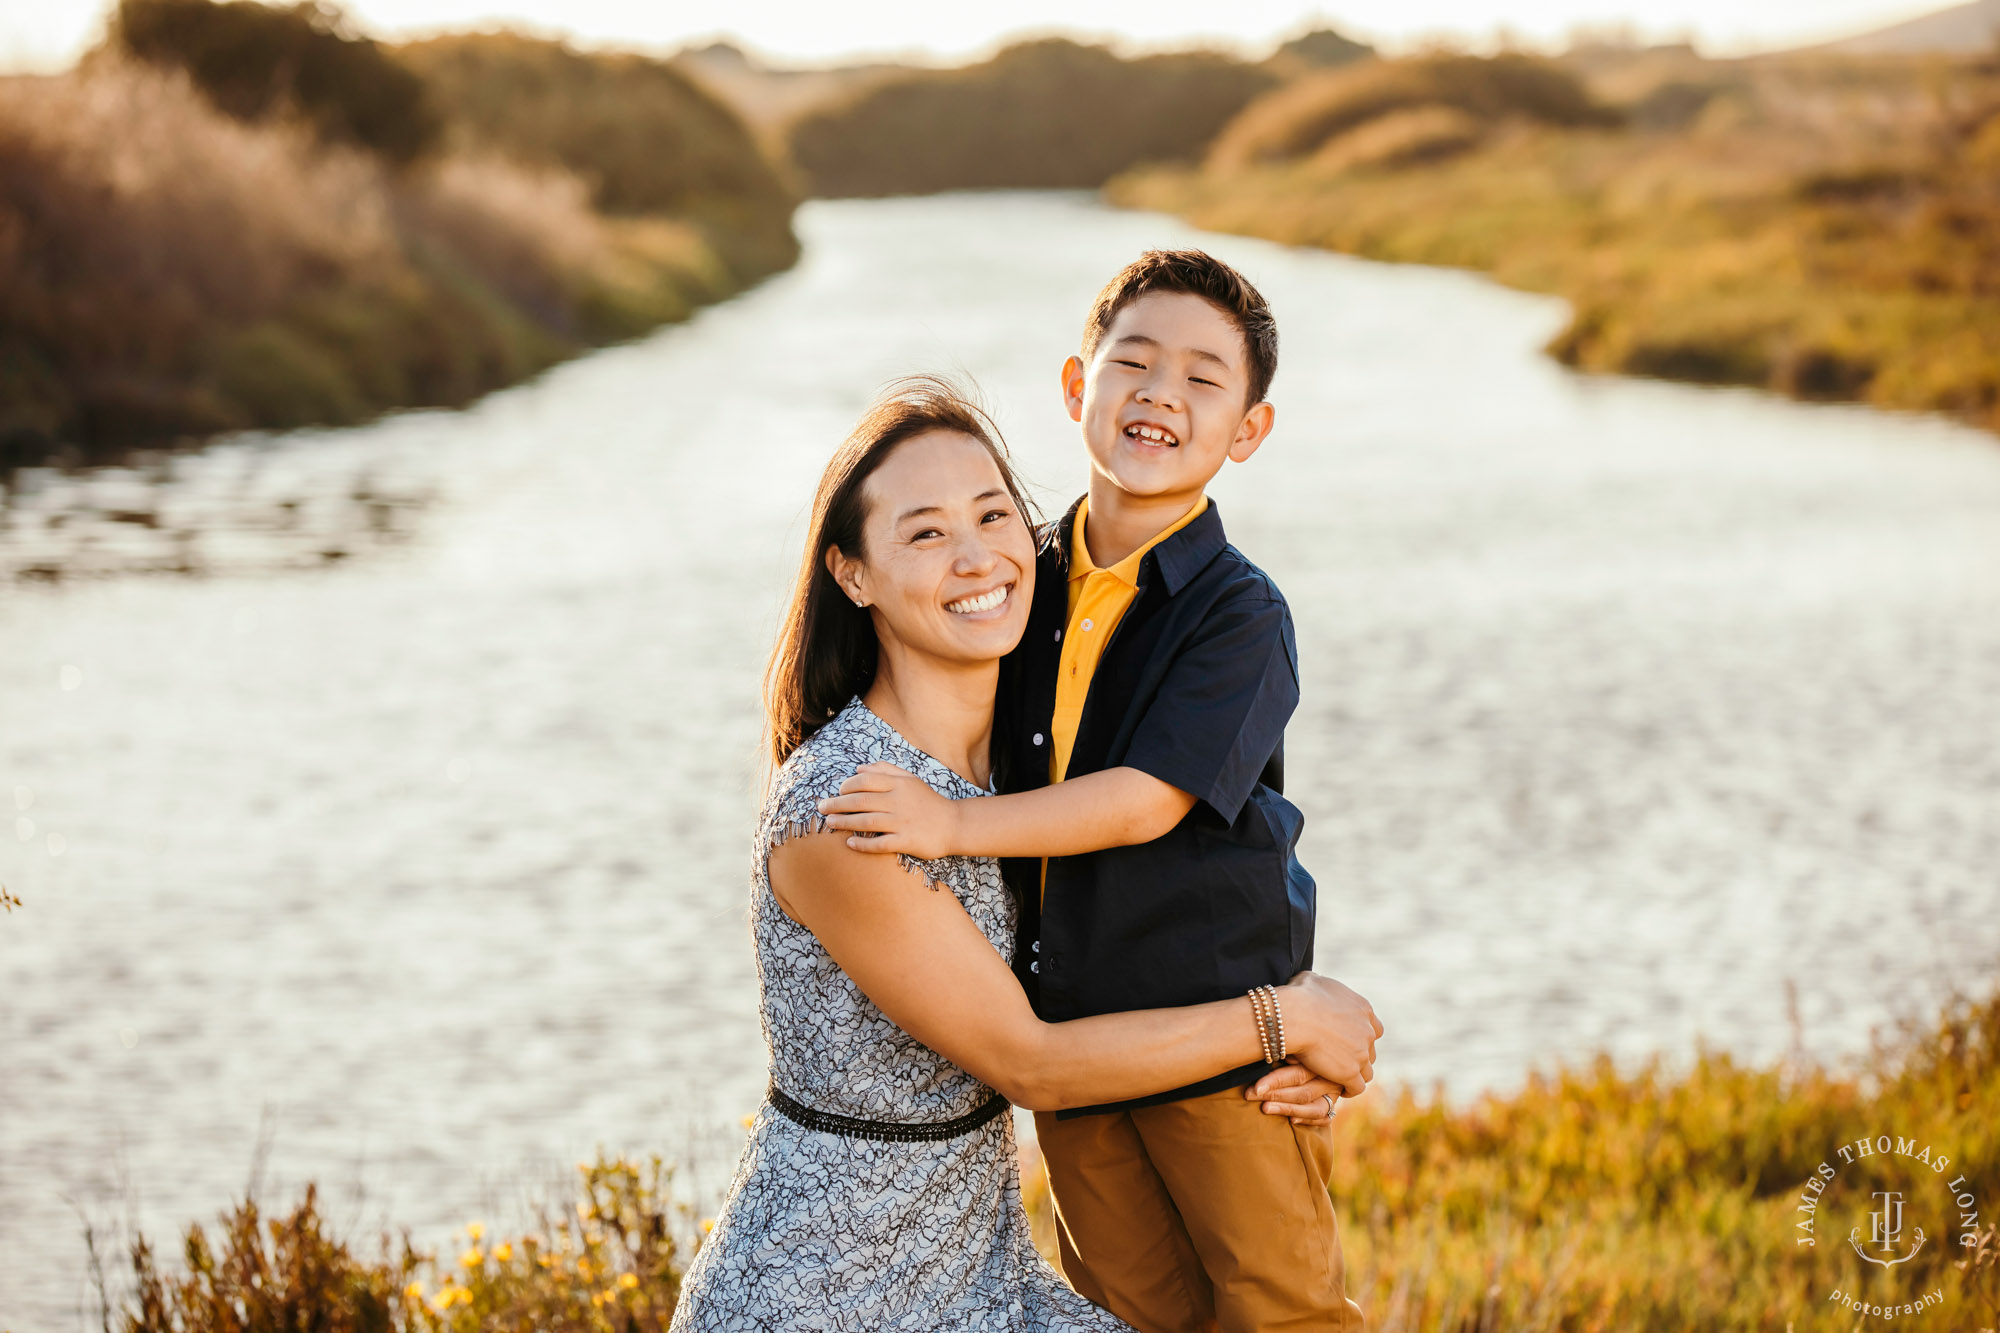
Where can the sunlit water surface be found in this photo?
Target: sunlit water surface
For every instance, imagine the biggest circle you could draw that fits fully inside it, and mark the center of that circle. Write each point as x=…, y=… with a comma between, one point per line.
x=1627, y=707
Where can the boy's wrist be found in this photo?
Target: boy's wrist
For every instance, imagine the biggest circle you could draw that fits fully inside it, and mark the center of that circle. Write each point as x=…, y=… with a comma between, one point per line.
x=955, y=827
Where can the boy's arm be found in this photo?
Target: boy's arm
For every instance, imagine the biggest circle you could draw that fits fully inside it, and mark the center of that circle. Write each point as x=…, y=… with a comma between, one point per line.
x=1117, y=807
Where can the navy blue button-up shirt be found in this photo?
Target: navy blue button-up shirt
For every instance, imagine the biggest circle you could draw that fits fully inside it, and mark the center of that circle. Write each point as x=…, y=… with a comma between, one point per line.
x=1194, y=688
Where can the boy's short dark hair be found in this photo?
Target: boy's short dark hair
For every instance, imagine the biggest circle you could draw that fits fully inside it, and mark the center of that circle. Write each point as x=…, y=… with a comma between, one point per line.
x=1197, y=273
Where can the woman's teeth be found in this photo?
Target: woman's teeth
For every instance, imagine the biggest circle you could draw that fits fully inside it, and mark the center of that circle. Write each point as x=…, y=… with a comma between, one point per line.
x=1152, y=434
x=986, y=601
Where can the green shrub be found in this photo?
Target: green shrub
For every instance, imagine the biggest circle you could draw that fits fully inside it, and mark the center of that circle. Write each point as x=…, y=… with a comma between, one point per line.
x=255, y=61
x=643, y=137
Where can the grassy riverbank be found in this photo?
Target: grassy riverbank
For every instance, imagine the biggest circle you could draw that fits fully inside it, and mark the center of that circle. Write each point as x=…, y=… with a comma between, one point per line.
x=1825, y=227
x=234, y=216
x=1592, y=1199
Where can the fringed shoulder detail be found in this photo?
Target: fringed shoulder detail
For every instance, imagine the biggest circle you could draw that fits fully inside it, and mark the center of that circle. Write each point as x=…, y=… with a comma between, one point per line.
x=828, y=758
x=791, y=806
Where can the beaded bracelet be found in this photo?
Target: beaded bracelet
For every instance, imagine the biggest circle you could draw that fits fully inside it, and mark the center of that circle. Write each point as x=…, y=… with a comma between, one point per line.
x=1270, y=1022
x=1257, y=1016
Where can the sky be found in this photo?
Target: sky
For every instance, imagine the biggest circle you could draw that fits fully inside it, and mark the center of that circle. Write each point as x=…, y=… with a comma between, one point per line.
x=47, y=34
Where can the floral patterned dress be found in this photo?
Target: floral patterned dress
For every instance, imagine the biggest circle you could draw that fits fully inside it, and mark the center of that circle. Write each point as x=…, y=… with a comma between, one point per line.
x=824, y=1228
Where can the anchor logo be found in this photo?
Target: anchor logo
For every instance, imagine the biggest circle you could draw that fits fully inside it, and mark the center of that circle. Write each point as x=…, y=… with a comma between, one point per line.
x=1886, y=1227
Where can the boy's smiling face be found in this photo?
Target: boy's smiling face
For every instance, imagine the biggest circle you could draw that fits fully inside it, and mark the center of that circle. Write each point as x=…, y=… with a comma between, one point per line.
x=1161, y=401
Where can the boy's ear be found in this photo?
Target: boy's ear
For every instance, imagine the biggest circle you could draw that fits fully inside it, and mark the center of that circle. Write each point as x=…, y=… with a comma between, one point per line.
x=1256, y=425
x=1072, y=387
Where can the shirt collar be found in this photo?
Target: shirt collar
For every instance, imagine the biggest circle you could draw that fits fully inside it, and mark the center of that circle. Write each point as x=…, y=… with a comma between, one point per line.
x=1180, y=553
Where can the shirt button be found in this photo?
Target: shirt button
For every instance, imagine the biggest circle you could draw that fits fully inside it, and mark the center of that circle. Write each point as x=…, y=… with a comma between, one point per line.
x=1058, y=636
x=1086, y=624
x=1036, y=946
x=1038, y=738
x=1035, y=966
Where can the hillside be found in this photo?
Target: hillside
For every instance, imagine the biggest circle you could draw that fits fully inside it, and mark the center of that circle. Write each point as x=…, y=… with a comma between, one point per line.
x=1045, y=114
x=1825, y=227
x=1967, y=29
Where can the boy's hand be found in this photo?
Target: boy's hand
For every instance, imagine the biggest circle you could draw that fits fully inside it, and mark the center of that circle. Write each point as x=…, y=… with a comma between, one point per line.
x=903, y=812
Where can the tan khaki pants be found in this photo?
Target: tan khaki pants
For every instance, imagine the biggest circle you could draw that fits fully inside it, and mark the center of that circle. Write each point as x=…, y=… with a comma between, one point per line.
x=1199, y=1215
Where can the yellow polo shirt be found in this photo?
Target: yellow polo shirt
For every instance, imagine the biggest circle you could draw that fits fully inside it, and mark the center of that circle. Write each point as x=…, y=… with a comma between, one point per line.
x=1098, y=600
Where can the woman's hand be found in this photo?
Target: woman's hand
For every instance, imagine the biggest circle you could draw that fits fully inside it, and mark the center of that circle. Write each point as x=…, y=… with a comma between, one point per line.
x=1331, y=1030
x=903, y=812
x=1295, y=1091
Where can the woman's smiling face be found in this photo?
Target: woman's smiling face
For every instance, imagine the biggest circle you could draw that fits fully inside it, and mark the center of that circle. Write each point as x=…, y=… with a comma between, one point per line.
x=947, y=562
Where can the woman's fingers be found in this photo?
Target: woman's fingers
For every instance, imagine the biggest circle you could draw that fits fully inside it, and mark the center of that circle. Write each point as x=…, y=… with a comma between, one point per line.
x=1313, y=1113
x=887, y=842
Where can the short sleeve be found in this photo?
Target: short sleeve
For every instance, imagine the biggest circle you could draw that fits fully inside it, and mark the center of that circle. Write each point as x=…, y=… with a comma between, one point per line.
x=1221, y=711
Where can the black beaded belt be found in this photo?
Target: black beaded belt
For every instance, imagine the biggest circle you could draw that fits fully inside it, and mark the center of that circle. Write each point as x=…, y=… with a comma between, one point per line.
x=887, y=1131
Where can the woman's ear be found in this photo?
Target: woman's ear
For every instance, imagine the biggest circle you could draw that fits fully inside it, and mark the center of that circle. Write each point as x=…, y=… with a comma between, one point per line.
x=846, y=573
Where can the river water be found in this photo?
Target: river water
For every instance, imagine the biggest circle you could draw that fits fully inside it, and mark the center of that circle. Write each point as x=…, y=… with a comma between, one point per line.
x=409, y=830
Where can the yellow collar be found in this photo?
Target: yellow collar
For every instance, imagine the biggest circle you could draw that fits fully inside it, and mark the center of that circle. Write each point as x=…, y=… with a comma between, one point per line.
x=1126, y=571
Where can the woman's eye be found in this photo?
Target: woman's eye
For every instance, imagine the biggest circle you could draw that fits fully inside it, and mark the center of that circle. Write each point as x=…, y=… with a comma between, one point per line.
x=927, y=532
x=993, y=514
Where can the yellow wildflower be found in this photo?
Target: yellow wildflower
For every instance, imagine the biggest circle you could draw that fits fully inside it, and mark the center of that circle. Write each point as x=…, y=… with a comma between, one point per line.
x=707, y=1225
x=476, y=1230
x=472, y=1258
x=415, y=1291
x=629, y=1281
x=749, y=1120
x=503, y=1252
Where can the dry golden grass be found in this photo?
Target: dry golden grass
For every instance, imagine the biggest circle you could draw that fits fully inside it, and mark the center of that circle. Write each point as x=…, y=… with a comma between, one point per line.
x=1591, y=1200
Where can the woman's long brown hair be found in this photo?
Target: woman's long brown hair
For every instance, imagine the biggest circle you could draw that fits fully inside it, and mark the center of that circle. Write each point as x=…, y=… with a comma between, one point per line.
x=825, y=654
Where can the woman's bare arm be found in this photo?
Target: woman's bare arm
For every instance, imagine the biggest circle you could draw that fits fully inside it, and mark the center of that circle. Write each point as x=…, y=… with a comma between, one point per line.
x=924, y=963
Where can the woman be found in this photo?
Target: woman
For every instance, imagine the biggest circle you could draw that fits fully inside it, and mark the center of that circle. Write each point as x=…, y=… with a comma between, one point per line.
x=878, y=1189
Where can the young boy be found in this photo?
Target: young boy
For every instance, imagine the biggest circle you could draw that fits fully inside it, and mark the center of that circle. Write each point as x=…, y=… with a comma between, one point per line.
x=1139, y=735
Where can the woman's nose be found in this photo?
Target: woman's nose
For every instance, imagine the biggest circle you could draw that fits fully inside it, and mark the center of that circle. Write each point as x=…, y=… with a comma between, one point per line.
x=975, y=554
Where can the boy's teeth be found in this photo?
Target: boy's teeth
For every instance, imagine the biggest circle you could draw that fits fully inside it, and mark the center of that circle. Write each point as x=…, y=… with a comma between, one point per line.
x=984, y=602
x=1149, y=433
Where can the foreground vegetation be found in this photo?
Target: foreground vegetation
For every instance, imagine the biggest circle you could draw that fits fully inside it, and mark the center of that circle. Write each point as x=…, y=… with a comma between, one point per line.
x=1825, y=227
x=1592, y=1199
x=238, y=215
